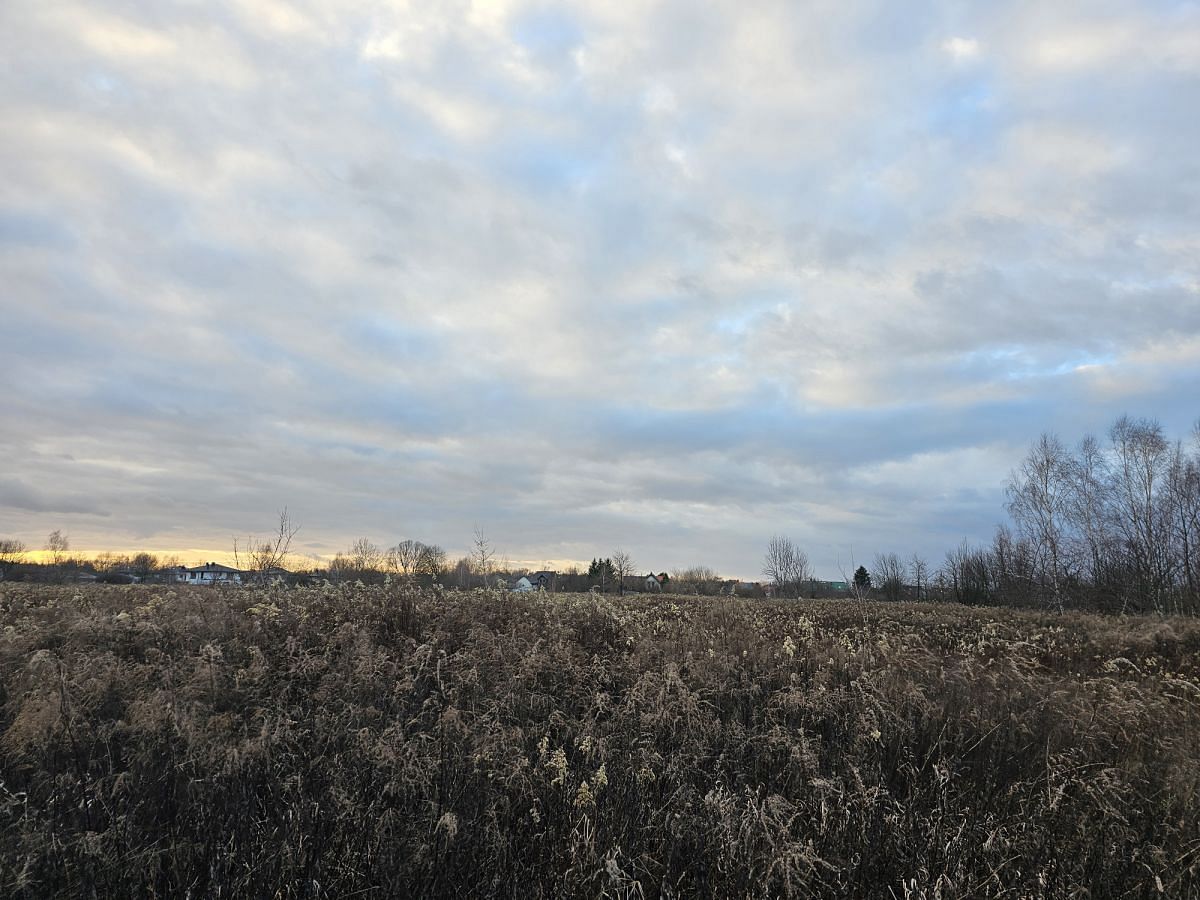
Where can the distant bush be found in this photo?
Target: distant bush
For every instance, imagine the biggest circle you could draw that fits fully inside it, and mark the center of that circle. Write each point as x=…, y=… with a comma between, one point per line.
x=400, y=742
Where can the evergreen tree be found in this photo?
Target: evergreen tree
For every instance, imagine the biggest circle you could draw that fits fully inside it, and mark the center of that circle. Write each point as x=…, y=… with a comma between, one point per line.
x=862, y=578
x=601, y=571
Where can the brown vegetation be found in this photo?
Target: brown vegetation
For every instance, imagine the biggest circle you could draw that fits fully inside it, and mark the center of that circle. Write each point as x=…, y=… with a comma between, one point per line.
x=397, y=741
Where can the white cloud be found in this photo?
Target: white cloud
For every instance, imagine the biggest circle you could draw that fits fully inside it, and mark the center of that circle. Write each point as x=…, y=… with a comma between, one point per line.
x=962, y=49
x=669, y=276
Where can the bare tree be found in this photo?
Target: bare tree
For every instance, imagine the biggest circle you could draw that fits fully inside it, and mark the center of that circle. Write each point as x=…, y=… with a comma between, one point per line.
x=108, y=564
x=405, y=557
x=1183, y=503
x=1141, y=458
x=461, y=572
x=1038, y=501
x=483, y=555
x=1116, y=523
x=967, y=574
x=362, y=562
x=57, y=545
x=143, y=565
x=889, y=575
x=918, y=570
x=12, y=554
x=259, y=557
x=786, y=565
x=696, y=580
x=340, y=568
x=410, y=559
x=433, y=561
x=1090, y=512
x=365, y=555
x=622, y=567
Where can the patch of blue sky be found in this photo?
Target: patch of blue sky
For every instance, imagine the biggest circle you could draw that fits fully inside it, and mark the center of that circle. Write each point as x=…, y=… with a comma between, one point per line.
x=548, y=32
x=965, y=111
x=390, y=339
x=33, y=230
x=742, y=319
x=1067, y=366
x=544, y=166
x=105, y=83
x=1018, y=363
x=734, y=325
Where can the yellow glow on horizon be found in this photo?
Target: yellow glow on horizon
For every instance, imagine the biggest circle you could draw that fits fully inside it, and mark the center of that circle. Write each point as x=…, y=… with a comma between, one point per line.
x=192, y=556
x=186, y=557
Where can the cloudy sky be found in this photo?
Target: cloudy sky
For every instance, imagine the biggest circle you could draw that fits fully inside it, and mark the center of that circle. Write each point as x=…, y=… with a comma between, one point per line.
x=670, y=276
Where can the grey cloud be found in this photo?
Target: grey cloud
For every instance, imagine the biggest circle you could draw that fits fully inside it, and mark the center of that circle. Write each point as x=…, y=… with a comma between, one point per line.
x=25, y=497
x=672, y=279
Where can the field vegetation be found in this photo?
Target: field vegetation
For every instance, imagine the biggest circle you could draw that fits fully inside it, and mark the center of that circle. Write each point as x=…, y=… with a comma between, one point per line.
x=393, y=741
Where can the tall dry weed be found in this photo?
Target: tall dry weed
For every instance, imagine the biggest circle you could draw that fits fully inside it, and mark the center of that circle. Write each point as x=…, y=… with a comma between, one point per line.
x=392, y=741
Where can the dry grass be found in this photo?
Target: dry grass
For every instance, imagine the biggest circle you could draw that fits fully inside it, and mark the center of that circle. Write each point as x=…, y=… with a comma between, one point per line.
x=384, y=742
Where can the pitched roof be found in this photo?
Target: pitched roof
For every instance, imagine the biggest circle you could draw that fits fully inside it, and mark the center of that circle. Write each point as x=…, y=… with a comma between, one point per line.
x=214, y=567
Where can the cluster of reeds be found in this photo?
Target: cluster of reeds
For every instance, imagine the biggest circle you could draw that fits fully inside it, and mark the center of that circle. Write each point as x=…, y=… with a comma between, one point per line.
x=389, y=741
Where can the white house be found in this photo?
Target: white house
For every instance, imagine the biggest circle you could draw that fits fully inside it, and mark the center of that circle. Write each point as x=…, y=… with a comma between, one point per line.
x=211, y=573
x=537, y=581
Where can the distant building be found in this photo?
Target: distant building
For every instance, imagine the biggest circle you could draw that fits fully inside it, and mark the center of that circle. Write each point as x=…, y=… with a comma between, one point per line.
x=211, y=573
x=537, y=581
x=268, y=575
x=174, y=574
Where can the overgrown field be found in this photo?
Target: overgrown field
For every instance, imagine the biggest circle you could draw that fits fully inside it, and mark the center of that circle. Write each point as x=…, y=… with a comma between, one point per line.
x=388, y=742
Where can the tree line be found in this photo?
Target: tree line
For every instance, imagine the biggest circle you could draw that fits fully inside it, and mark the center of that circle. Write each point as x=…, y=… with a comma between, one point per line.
x=1108, y=524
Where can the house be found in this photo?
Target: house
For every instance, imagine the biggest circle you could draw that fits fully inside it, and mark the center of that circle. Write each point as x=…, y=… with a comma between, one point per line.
x=174, y=574
x=652, y=583
x=212, y=573
x=268, y=576
x=537, y=581
x=544, y=580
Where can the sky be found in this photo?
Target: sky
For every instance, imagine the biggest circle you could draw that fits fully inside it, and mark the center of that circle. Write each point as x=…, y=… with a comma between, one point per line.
x=671, y=277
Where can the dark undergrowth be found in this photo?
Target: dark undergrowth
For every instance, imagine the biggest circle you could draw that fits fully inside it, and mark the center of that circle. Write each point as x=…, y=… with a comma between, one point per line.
x=390, y=742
